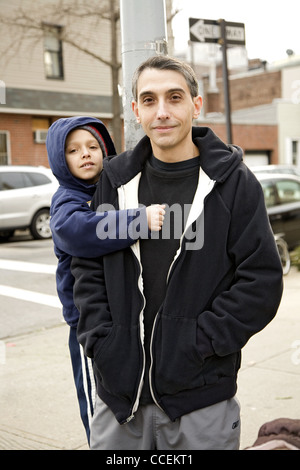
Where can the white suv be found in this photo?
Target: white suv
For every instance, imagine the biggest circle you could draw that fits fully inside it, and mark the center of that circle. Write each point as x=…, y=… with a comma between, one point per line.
x=25, y=198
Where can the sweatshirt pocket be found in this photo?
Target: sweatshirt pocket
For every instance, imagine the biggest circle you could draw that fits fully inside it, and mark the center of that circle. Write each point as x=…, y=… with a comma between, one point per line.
x=118, y=362
x=177, y=364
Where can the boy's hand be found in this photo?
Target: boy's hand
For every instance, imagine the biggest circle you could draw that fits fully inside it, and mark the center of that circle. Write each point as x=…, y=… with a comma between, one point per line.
x=155, y=216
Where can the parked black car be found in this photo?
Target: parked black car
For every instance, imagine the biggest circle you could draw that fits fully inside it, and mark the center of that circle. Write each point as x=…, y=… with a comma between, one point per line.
x=282, y=197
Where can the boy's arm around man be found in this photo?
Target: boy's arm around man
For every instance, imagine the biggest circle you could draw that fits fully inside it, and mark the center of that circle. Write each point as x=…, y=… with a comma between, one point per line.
x=74, y=226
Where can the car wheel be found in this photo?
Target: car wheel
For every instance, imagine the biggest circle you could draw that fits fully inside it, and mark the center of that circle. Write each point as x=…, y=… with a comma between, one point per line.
x=284, y=255
x=40, y=225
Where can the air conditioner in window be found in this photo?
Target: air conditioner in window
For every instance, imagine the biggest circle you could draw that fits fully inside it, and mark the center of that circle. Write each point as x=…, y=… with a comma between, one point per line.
x=40, y=136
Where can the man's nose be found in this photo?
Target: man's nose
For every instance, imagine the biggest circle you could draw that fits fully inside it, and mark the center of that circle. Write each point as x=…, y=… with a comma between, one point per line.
x=163, y=111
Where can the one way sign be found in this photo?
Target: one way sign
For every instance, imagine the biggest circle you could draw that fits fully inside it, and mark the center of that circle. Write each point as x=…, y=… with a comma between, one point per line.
x=210, y=31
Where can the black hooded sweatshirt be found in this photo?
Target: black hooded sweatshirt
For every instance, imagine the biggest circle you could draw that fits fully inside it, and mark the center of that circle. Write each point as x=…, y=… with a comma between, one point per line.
x=223, y=285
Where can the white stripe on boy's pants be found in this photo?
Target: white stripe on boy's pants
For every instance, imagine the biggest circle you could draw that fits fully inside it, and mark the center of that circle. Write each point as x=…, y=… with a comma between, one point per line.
x=87, y=370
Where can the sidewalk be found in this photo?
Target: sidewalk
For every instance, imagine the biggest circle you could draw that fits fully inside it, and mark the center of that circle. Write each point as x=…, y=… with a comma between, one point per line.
x=269, y=380
x=39, y=409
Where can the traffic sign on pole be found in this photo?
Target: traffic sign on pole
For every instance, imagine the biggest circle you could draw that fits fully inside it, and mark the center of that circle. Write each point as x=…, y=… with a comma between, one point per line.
x=226, y=34
x=202, y=30
x=235, y=33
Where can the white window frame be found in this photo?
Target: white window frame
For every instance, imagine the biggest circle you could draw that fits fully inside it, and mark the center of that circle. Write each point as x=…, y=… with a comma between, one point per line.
x=289, y=151
x=53, y=31
x=7, y=134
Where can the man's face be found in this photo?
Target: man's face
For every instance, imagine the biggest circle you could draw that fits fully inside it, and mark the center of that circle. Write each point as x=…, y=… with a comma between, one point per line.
x=83, y=155
x=165, y=109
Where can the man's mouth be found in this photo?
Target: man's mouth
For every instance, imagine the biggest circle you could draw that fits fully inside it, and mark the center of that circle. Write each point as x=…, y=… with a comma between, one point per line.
x=163, y=128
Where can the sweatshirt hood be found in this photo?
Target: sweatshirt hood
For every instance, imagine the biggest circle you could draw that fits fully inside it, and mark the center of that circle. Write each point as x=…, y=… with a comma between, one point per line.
x=217, y=159
x=55, y=144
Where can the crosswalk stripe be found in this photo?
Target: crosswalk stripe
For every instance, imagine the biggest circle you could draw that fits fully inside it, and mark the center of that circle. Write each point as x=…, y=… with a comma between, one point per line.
x=36, y=297
x=11, y=265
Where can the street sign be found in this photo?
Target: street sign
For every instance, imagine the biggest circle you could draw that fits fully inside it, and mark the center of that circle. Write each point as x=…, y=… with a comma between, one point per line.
x=204, y=30
x=223, y=33
x=235, y=34
x=210, y=31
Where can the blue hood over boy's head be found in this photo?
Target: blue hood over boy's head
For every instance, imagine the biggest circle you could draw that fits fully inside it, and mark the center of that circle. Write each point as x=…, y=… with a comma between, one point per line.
x=55, y=143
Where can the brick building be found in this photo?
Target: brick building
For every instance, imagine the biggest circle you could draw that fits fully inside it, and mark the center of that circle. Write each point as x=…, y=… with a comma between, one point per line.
x=265, y=110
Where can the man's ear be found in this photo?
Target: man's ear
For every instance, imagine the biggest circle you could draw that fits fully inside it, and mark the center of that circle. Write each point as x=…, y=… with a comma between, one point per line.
x=198, y=103
x=135, y=109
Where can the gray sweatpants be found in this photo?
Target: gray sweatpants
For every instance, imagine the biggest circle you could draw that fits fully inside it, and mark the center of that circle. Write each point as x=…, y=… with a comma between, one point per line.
x=216, y=427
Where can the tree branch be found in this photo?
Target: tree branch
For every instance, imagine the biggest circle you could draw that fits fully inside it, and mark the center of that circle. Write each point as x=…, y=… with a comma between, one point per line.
x=33, y=29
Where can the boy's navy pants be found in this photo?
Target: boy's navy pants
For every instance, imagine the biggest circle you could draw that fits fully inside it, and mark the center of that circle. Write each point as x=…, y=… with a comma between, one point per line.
x=84, y=381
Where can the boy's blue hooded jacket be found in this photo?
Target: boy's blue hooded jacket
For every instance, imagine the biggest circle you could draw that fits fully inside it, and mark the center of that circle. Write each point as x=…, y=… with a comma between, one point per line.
x=73, y=223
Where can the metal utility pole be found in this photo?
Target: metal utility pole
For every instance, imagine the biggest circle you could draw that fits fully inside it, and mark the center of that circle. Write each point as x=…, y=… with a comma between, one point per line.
x=143, y=34
x=223, y=42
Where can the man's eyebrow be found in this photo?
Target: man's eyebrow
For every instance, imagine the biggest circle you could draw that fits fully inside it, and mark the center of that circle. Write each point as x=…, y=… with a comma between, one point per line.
x=144, y=93
x=171, y=90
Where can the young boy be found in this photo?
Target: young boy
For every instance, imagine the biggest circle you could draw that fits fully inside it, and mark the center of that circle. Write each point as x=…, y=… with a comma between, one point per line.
x=76, y=147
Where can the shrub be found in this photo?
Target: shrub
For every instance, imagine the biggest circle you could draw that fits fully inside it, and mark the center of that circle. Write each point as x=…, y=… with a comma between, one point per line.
x=295, y=258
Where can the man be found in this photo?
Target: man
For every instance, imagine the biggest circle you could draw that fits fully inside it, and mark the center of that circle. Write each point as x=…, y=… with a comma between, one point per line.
x=165, y=320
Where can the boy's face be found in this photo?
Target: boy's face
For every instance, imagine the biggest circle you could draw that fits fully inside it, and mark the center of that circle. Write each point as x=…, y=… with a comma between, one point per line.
x=83, y=155
x=165, y=109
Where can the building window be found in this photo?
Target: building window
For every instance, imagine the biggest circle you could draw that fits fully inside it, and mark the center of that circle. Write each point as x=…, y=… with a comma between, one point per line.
x=53, y=56
x=295, y=152
x=4, y=148
x=292, y=152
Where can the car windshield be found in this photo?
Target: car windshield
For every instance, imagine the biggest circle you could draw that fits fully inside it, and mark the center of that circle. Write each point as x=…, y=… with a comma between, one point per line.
x=17, y=180
x=288, y=191
x=282, y=191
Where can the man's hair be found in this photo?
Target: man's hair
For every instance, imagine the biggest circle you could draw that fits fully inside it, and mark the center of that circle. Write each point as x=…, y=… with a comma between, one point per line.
x=161, y=62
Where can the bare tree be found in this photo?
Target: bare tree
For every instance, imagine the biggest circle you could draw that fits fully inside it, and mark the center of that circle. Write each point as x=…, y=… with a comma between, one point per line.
x=29, y=25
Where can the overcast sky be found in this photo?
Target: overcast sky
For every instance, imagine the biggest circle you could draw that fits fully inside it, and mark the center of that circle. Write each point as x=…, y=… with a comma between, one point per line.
x=271, y=27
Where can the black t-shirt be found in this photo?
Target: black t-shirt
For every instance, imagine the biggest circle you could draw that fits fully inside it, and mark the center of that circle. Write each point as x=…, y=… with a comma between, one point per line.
x=173, y=184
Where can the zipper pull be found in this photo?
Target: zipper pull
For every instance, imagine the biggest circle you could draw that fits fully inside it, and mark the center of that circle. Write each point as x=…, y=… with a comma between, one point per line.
x=129, y=418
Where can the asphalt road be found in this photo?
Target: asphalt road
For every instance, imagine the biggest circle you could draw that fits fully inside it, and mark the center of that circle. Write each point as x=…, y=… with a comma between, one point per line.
x=27, y=286
x=39, y=408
